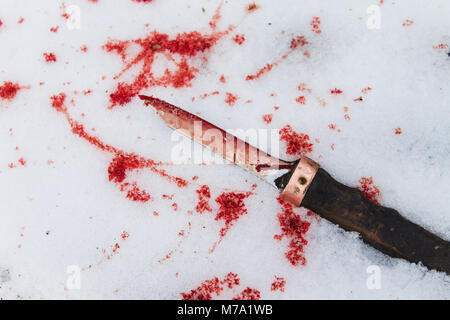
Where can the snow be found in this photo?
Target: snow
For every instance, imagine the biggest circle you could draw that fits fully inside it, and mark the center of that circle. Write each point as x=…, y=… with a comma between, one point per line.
x=65, y=212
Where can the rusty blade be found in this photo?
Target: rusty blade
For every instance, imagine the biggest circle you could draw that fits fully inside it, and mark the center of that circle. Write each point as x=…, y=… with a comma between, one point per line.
x=218, y=140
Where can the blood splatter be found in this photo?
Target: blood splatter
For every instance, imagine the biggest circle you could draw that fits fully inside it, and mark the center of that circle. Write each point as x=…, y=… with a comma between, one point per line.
x=122, y=162
x=366, y=90
x=336, y=91
x=212, y=287
x=9, y=90
x=124, y=235
x=279, y=284
x=301, y=100
x=315, y=24
x=267, y=118
x=231, y=99
x=1, y=23
x=295, y=42
x=21, y=20
x=248, y=294
x=222, y=79
x=22, y=161
x=239, y=39
x=54, y=29
x=407, y=23
x=144, y=1
x=296, y=143
x=371, y=191
x=49, y=57
x=232, y=207
x=204, y=194
x=293, y=227
x=58, y=101
x=441, y=46
x=184, y=45
x=398, y=130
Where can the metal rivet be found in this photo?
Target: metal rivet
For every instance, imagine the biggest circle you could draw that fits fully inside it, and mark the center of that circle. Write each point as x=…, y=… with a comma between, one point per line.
x=302, y=180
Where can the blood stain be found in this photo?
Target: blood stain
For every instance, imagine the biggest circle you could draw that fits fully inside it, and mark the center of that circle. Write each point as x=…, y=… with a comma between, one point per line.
x=184, y=45
x=407, y=23
x=54, y=29
x=371, y=191
x=315, y=24
x=239, y=39
x=296, y=143
x=204, y=194
x=222, y=79
x=232, y=207
x=213, y=287
x=366, y=90
x=231, y=99
x=336, y=91
x=122, y=162
x=279, y=284
x=293, y=227
x=248, y=294
x=398, y=130
x=267, y=118
x=301, y=100
x=295, y=42
x=124, y=235
x=9, y=90
x=49, y=57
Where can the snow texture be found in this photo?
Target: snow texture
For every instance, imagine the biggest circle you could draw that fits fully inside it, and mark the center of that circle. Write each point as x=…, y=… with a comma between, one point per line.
x=58, y=209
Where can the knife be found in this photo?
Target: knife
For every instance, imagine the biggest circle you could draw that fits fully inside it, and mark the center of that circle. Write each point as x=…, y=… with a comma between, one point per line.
x=304, y=183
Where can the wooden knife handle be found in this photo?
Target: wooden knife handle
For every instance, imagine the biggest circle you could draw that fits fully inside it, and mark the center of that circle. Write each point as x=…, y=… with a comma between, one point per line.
x=381, y=227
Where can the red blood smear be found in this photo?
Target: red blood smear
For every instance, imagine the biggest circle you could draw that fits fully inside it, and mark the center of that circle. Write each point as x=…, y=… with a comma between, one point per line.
x=54, y=29
x=301, y=100
x=231, y=99
x=293, y=227
x=332, y=126
x=222, y=79
x=267, y=118
x=21, y=20
x=144, y=1
x=296, y=143
x=336, y=91
x=278, y=284
x=248, y=294
x=398, y=131
x=204, y=194
x=315, y=23
x=9, y=90
x=214, y=286
x=122, y=162
x=232, y=207
x=184, y=45
x=49, y=57
x=371, y=191
x=295, y=42
x=22, y=161
x=239, y=39
x=1, y=23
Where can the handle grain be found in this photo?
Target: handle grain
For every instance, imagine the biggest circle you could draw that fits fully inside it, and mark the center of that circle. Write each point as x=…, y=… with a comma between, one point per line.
x=383, y=228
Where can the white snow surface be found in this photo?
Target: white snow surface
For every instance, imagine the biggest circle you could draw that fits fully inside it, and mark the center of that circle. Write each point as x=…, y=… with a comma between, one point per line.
x=65, y=212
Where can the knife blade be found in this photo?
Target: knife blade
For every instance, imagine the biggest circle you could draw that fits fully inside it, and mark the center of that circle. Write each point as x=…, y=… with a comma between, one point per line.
x=304, y=183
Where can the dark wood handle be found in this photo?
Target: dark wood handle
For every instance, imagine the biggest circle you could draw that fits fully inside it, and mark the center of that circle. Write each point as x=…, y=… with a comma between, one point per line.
x=383, y=228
